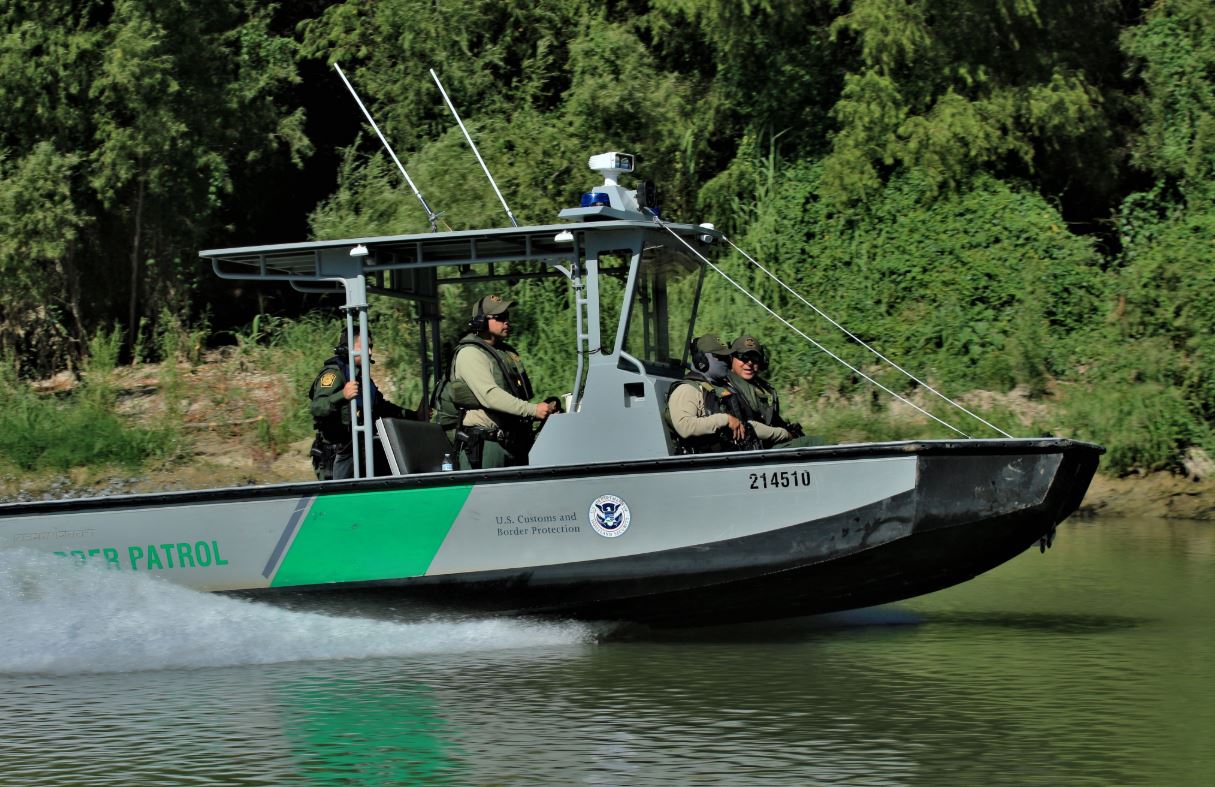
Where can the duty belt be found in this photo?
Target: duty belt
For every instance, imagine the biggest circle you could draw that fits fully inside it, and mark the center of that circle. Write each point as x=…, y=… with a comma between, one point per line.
x=493, y=435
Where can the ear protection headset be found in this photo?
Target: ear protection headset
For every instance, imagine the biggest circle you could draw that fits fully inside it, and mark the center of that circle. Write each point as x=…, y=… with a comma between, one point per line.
x=700, y=359
x=711, y=365
x=342, y=347
x=480, y=320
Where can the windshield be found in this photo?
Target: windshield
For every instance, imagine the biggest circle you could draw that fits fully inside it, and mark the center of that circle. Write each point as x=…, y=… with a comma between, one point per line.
x=663, y=309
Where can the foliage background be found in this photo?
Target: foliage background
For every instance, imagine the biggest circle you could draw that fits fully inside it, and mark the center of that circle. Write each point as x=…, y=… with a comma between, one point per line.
x=998, y=194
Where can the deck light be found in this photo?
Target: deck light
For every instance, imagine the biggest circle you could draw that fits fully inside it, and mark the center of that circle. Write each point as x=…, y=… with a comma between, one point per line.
x=359, y=251
x=565, y=236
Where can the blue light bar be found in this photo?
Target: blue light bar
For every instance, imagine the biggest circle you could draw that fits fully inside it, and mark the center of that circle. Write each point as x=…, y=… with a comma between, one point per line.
x=594, y=198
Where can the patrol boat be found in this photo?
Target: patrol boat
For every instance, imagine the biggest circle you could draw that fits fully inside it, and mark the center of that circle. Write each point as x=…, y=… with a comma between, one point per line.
x=609, y=521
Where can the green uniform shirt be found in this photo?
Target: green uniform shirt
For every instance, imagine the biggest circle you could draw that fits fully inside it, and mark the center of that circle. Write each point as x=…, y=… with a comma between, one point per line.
x=330, y=408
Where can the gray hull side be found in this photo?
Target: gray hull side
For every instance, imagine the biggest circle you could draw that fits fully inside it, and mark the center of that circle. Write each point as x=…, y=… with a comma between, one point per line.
x=220, y=545
x=695, y=525
x=549, y=521
x=967, y=515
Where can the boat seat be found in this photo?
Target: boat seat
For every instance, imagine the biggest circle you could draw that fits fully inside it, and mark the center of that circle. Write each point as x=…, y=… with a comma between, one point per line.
x=413, y=446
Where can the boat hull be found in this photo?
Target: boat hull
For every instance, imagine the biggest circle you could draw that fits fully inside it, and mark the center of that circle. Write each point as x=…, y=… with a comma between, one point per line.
x=678, y=541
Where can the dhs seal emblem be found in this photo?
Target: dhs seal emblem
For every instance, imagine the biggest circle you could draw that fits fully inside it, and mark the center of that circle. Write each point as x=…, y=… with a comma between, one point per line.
x=610, y=516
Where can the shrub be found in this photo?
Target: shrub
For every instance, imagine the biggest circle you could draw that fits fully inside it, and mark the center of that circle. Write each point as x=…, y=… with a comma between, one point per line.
x=81, y=429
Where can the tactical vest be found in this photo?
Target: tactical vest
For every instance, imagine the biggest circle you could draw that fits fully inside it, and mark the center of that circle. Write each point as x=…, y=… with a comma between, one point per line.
x=453, y=398
x=718, y=399
x=766, y=404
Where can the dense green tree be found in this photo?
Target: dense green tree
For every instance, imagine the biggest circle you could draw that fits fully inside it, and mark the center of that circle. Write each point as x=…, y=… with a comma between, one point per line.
x=937, y=174
x=770, y=73
x=983, y=287
x=1153, y=383
x=950, y=86
x=540, y=87
x=131, y=114
x=1173, y=53
x=47, y=51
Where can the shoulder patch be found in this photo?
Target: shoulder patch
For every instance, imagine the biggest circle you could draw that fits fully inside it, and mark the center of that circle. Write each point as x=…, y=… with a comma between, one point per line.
x=327, y=379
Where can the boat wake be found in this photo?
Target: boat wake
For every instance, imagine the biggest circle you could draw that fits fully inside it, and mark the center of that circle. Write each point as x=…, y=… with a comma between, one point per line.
x=63, y=618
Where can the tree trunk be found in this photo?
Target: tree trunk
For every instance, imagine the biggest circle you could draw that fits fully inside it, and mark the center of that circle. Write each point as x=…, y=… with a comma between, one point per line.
x=133, y=329
x=71, y=279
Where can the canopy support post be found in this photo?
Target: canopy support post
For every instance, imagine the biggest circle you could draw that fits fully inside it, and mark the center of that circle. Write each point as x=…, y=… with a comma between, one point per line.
x=356, y=304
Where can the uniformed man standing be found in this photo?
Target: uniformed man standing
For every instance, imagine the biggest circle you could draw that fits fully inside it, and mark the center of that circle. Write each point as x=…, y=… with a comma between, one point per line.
x=699, y=407
x=757, y=400
x=331, y=392
x=484, y=402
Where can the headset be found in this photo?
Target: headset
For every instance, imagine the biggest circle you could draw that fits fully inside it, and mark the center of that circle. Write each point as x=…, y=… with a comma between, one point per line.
x=343, y=348
x=700, y=359
x=707, y=363
x=480, y=320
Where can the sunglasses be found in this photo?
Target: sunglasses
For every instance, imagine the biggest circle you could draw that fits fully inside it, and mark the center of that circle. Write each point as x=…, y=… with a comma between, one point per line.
x=751, y=358
x=500, y=317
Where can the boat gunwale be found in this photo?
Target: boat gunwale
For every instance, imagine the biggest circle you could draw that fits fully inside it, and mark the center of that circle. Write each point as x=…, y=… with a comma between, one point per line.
x=812, y=454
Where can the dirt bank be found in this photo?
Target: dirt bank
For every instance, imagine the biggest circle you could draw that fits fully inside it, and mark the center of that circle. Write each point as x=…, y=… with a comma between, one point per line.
x=1158, y=495
x=225, y=397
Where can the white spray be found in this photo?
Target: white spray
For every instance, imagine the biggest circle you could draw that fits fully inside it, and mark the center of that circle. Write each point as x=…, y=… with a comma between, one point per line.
x=63, y=618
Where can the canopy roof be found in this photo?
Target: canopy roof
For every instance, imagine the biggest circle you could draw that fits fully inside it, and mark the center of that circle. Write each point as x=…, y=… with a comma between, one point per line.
x=330, y=259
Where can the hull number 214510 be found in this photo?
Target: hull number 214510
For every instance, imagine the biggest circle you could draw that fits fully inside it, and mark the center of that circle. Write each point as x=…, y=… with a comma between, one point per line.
x=779, y=479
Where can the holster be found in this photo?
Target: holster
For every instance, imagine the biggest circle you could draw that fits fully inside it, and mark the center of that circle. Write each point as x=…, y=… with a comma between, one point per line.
x=517, y=441
x=323, y=455
x=471, y=440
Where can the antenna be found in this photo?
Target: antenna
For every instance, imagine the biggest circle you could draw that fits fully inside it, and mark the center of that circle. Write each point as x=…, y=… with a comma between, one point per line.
x=431, y=216
x=456, y=115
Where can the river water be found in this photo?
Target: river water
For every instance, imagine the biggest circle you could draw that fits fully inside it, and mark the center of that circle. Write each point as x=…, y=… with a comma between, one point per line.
x=1091, y=664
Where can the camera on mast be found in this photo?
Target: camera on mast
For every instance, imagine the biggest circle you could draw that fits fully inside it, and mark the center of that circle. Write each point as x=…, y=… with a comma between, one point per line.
x=611, y=165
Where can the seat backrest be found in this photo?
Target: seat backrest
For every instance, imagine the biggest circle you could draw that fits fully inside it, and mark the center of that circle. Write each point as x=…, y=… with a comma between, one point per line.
x=413, y=446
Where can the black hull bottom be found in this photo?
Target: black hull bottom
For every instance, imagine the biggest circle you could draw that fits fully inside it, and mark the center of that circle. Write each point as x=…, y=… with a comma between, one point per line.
x=968, y=514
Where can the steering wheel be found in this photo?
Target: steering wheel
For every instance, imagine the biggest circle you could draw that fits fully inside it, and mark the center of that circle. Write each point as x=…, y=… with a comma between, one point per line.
x=554, y=403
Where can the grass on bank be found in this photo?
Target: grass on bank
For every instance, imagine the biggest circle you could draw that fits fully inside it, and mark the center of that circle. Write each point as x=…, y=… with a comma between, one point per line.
x=82, y=428
x=254, y=391
x=251, y=392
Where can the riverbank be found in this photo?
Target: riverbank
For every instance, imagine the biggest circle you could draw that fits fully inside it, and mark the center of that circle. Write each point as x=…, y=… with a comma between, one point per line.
x=235, y=416
x=1155, y=496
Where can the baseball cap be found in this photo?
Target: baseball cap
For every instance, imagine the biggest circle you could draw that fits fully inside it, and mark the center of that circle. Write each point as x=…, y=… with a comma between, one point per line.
x=711, y=343
x=491, y=304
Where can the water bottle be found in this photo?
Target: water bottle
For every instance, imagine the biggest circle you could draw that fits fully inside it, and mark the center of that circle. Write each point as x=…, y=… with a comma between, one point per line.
x=447, y=463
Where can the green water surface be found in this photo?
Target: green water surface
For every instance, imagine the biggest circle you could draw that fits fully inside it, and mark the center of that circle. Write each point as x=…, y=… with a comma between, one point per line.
x=1093, y=664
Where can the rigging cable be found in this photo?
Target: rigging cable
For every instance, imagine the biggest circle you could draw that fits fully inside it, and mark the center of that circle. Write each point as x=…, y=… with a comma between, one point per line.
x=862, y=343
x=796, y=330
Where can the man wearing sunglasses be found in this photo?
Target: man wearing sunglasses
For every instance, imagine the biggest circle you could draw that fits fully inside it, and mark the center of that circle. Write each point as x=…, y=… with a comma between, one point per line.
x=331, y=392
x=483, y=403
x=756, y=399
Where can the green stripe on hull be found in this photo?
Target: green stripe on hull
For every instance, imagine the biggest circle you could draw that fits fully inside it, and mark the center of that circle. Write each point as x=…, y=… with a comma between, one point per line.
x=370, y=535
